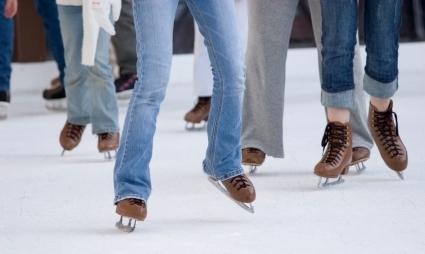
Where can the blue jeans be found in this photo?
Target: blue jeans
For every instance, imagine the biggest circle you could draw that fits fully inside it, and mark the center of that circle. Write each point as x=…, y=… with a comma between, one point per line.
x=6, y=48
x=154, y=28
x=382, y=21
x=48, y=11
x=90, y=90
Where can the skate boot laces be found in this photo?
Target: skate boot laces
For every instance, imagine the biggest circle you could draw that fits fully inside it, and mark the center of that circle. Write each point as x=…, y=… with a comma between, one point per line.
x=75, y=131
x=241, y=181
x=336, y=139
x=139, y=202
x=384, y=127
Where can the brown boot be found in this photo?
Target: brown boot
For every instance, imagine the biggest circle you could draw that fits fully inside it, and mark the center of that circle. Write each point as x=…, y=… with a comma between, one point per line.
x=108, y=141
x=337, y=157
x=360, y=154
x=200, y=112
x=240, y=188
x=132, y=208
x=385, y=134
x=253, y=156
x=70, y=136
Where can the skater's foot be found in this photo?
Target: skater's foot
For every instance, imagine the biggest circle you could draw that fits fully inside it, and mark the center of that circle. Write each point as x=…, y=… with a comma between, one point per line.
x=124, y=85
x=198, y=113
x=70, y=136
x=385, y=134
x=132, y=208
x=109, y=141
x=253, y=157
x=336, y=159
x=240, y=188
x=55, y=97
x=4, y=103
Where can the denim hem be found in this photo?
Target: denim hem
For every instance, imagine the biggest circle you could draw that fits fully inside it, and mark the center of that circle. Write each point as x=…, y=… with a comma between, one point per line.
x=95, y=132
x=119, y=198
x=338, y=100
x=227, y=175
x=84, y=123
x=379, y=89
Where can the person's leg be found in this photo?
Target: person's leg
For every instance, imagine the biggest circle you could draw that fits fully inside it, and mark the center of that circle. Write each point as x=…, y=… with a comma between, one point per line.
x=6, y=46
x=339, y=27
x=382, y=24
x=203, y=78
x=101, y=89
x=218, y=25
x=358, y=116
x=270, y=25
x=48, y=11
x=154, y=28
x=124, y=43
x=124, y=40
x=71, y=22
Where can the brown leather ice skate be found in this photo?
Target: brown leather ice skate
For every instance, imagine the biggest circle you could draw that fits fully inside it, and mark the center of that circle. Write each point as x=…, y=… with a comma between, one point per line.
x=336, y=159
x=240, y=188
x=70, y=136
x=253, y=156
x=385, y=134
x=108, y=141
x=360, y=155
x=200, y=112
x=132, y=208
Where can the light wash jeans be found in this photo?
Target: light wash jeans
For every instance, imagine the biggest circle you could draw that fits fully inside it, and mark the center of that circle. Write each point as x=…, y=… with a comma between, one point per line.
x=382, y=21
x=90, y=90
x=154, y=28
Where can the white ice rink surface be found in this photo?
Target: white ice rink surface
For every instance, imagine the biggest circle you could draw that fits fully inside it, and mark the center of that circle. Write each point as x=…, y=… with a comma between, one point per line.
x=54, y=204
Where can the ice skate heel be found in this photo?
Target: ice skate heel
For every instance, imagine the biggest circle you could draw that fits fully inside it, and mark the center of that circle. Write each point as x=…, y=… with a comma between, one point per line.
x=384, y=131
x=239, y=189
x=108, y=142
x=252, y=157
x=197, y=118
x=360, y=155
x=133, y=210
x=337, y=158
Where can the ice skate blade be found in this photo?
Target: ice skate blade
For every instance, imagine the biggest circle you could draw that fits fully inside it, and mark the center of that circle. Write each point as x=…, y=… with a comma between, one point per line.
x=327, y=184
x=107, y=155
x=214, y=182
x=252, y=169
x=63, y=152
x=126, y=228
x=400, y=174
x=196, y=126
x=3, y=109
x=360, y=167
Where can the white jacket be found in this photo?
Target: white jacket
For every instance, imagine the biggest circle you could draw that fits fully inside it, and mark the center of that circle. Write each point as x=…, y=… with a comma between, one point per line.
x=91, y=30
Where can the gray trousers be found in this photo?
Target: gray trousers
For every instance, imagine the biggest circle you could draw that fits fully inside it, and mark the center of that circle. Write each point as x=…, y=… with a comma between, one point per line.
x=270, y=25
x=124, y=40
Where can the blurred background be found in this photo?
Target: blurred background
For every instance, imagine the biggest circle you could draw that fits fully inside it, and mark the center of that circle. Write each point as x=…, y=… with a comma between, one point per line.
x=31, y=45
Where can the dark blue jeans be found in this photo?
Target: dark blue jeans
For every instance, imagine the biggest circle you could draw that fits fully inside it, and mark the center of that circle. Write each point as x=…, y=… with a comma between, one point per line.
x=6, y=48
x=48, y=11
x=382, y=21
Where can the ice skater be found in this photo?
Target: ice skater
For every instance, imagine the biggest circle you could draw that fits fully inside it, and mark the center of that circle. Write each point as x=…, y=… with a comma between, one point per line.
x=89, y=86
x=270, y=25
x=382, y=21
x=154, y=25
